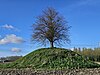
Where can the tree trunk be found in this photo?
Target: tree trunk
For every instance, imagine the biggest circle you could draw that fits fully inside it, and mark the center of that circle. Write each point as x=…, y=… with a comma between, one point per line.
x=51, y=43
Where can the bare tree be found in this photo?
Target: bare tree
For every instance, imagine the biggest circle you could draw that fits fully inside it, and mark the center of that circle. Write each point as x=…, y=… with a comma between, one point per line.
x=50, y=27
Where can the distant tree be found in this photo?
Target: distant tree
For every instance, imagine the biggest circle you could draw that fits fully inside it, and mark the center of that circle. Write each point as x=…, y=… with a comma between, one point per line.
x=50, y=27
x=13, y=58
x=3, y=59
x=89, y=53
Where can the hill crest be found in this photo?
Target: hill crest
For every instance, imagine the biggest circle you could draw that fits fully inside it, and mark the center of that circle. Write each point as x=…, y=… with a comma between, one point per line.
x=53, y=58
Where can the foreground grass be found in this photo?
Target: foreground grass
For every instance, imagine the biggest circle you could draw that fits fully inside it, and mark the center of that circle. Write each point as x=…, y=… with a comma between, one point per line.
x=52, y=58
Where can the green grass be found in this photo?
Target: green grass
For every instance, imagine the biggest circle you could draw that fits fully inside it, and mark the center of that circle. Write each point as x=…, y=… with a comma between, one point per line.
x=52, y=58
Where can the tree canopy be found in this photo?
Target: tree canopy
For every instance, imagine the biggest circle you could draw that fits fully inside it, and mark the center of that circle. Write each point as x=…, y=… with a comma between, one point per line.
x=50, y=27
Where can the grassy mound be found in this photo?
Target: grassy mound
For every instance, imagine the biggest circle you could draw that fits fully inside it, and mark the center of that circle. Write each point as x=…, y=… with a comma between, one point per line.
x=52, y=58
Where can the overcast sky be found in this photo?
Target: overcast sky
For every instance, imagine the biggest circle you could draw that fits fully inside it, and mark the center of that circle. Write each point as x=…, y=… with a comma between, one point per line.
x=17, y=16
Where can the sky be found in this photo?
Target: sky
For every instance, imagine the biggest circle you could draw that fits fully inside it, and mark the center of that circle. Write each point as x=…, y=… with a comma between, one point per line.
x=17, y=17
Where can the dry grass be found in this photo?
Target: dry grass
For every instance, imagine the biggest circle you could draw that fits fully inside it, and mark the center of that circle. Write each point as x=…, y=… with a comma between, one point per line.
x=97, y=62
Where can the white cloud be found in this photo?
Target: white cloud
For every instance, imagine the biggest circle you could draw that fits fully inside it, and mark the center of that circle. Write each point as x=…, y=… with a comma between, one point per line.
x=10, y=27
x=7, y=26
x=16, y=50
x=12, y=38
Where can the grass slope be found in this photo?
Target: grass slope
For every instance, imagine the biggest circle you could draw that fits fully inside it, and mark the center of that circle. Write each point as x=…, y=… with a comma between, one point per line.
x=52, y=58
